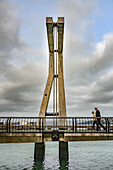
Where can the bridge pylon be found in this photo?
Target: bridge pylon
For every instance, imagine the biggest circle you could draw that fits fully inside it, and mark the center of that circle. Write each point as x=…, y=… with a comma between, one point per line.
x=55, y=33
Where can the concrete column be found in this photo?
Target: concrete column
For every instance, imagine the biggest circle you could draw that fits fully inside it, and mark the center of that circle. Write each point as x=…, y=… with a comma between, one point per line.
x=63, y=151
x=63, y=155
x=62, y=103
x=39, y=151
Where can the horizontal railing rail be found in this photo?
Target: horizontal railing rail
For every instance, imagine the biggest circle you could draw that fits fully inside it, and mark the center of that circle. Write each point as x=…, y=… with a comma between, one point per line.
x=61, y=124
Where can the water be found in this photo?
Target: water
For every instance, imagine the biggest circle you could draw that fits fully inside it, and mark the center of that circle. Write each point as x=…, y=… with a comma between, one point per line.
x=91, y=155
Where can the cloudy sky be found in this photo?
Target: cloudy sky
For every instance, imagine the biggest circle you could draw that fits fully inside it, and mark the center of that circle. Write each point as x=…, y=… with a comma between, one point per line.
x=88, y=55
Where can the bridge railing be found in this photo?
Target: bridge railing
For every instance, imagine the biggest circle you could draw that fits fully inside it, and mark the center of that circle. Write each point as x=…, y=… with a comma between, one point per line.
x=50, y=124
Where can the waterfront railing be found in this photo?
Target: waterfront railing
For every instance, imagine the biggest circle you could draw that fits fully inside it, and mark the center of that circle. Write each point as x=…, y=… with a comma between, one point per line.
x=50, y=124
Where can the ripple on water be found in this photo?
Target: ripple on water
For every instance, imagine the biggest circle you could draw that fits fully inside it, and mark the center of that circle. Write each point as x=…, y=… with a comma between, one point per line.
x=82, y=155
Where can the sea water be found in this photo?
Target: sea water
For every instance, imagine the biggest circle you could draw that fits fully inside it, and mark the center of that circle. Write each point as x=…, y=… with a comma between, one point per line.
x=91, y=155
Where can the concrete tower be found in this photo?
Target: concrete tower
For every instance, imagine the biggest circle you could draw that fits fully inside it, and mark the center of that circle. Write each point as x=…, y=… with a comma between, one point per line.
x=51, y=26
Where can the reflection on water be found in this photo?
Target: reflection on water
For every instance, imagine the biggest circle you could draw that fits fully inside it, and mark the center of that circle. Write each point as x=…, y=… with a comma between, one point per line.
x=38, y=165
x=63, y=164
x=40, y=158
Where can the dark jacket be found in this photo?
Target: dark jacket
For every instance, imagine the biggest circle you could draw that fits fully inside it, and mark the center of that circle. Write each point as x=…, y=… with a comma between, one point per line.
x=98, y=114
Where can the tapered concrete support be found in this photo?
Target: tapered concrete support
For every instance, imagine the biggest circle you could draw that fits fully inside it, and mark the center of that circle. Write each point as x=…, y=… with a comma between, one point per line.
x=45, y=100
x=39, y=151
x=62, y=103
x=63, y=151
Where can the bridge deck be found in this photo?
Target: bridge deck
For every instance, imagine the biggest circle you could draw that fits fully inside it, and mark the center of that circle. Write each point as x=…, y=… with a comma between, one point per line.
x=39, y=137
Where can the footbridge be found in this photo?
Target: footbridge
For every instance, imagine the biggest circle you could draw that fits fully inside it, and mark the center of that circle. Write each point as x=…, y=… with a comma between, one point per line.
x=42, y=129
x=38, y=130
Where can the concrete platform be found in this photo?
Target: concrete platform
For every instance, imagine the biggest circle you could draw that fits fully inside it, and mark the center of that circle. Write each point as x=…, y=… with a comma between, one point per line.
x=87, y=136
x=39, y=137
x=20, y=137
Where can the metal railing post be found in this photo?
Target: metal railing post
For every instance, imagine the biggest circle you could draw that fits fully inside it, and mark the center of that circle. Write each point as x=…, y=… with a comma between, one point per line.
x=106, y=119
x=42, y=124
x=108, y=125
x=73, y=124
x=39, y=124
x=9, y=124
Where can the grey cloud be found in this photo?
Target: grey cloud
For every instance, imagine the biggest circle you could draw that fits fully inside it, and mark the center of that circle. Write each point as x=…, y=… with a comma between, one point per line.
x=76, y=12
x=102, y=91
x=87, y=69
x=23, y=87
x=103, y=57
x=10, y=39
x=21, y=81
x=98, y=93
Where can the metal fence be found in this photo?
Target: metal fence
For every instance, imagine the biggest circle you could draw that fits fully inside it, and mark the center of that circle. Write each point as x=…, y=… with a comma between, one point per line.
x=49, y=124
